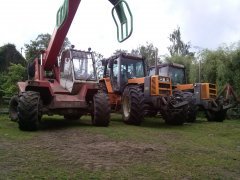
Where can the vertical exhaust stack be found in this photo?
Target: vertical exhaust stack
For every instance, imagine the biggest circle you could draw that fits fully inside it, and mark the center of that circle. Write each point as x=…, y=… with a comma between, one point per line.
x=156, y=63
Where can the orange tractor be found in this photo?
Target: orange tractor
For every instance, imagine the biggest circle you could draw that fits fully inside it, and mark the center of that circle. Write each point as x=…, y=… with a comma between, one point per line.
x=66, y=85
x=132, y=92
x=214, y=104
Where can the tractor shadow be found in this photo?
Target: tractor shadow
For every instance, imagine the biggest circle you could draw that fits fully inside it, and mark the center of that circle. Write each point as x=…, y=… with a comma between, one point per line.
x=59, y=123
x=157, y=123
x=149, y=122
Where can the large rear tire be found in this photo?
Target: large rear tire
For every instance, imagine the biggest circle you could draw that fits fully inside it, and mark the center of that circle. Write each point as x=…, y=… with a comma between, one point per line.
x=13, y=104
x=133, y=105
x=101, y=110
x=29, y=111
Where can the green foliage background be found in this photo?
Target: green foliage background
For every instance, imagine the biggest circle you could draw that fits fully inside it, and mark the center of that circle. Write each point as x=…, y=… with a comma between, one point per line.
x=218, y=66
x=13, y=64
x=15, y=73
x=12, y=69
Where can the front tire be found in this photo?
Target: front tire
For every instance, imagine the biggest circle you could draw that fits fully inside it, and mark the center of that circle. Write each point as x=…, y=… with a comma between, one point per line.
x=29, y=111
x=101, y=110
x=133, y=105
x=191, y=108
x=171, y=114
x=218, y=116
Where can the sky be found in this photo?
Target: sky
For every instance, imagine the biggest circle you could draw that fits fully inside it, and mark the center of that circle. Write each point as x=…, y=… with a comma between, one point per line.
x=205, y=23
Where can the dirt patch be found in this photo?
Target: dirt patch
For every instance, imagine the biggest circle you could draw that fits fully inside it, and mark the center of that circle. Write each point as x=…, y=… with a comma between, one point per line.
x=91, y=151
x=76, y=148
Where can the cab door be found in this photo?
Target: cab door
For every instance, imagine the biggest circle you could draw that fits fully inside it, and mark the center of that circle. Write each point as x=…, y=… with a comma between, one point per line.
x=114, y=75
x=66, y=74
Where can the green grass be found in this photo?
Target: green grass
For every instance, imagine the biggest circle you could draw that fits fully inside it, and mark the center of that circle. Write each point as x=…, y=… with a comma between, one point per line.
x=202, y=150
x=9, y=130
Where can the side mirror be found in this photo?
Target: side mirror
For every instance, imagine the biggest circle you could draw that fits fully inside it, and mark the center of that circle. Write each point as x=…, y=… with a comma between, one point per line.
x=124, y=27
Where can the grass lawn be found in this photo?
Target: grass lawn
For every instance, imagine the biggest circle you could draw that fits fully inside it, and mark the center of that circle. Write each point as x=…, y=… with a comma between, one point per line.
x=154, y=150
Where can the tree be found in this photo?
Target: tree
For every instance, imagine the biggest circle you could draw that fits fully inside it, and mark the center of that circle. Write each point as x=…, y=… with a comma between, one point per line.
x=178, y=47
x=99, y=68
x=119, y=51
x=33, y=48
x=40, y=43
x=179, y=53
x=234, y=69
x=149, y=52
x=9, y=54
x=221, y=66
x=2, y=80
x=16, y=72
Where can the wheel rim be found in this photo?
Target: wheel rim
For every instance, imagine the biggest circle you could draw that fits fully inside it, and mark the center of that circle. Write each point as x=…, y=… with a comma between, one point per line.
x=126, y=107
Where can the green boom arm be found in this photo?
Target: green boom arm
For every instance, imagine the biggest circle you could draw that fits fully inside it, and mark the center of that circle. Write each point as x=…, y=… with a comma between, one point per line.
x=64, y=19
x=124, y=29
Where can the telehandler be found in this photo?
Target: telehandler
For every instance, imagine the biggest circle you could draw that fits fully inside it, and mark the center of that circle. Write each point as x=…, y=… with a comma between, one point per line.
x=67, y=84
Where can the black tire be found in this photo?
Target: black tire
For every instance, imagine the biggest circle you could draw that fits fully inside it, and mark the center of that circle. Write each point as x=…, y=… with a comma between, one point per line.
x=174, y=118
x=13, y=112
x=191, y=108
x=218, y=116
x=210, y=115
x=101, y=110
x=29, y=111
x=31, y=69
x=103, y=87
x=71, y=117
x=172, y=115
x=133, y=105
x=191, y=114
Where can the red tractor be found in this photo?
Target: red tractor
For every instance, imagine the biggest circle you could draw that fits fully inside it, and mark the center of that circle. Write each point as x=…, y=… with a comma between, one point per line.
x=66, y=85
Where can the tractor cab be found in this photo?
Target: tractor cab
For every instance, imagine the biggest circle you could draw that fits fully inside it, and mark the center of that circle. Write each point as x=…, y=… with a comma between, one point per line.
x=175, y=71
x=122, y=68
x=76, y=67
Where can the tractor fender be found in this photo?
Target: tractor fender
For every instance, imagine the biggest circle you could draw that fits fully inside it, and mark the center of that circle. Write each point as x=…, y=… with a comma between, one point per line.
x=106, y=83
x=42, y=87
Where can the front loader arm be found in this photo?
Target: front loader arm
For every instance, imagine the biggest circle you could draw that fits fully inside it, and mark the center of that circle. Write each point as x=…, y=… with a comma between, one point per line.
x=65, y=17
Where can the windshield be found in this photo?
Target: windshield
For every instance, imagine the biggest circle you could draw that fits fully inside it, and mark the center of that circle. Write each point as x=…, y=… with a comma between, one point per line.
x=83, y=67
x=132, y=68
x=151, y=72
x=177, y=75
